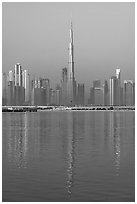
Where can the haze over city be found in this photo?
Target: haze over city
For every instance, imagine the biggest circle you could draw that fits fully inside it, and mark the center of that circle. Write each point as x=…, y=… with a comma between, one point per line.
x=68, y=102
x=37, y=36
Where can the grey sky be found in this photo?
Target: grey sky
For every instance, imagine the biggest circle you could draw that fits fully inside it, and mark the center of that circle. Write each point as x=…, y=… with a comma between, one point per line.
x=37, y=36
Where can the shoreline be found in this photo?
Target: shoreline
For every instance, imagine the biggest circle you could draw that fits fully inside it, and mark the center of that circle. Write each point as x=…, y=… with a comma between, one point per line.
x=68, y=109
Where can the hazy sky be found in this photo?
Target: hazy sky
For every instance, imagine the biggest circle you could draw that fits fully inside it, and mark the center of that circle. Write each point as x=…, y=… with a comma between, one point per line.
x=37, y=36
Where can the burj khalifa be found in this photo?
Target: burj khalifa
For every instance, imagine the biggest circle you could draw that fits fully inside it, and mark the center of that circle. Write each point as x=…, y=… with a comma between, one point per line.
x=71, y=78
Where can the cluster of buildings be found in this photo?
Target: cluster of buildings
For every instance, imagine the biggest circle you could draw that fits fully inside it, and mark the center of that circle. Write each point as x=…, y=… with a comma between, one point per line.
x=19, y=89
x=113, y=93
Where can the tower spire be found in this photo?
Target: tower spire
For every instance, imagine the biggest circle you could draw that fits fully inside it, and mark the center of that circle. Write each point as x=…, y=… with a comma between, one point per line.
x=71, y=67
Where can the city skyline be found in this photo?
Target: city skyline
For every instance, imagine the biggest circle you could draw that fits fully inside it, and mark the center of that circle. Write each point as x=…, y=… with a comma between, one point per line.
x=20, y=89
x=90, y=61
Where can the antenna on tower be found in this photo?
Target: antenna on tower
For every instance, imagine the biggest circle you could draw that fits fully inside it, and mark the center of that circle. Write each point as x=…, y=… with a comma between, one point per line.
x=71, y=18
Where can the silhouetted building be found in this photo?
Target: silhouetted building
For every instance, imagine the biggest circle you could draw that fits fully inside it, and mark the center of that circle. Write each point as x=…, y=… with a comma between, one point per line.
x=129, y=92
x=64, y=99
x=121, y=97
x=113, y=91
x=19, y=89
x=118, y=73
x=81, y=95
x=118, y=92
x=91, y=100
x=71, y=79
x=96, y=84
x=4, y=89
x=58, y=95
x=11, y=89
x=46, y=85
x=133, y=93
x=26, y=85
x=36, y=95
x=52, y=97
x=105, y=93
x=98, y=96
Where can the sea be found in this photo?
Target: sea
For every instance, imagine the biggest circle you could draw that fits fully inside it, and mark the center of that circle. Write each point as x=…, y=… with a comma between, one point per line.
x=70, y=156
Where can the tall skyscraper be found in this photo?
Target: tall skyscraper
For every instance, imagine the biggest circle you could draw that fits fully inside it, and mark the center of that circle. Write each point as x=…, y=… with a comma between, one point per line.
x=105, y=93
x=52, y=97
x=91, y=100
x=118, y=73
x=96, y=83
x=98, y=95
x=58, y=95
x=36, y=95
x=64, y=87
x=18, y=74
x=46, y=84
x=113, y=91
x=19, y=89
x=71, y=78
x=118, y=92
x=129, y=92
x=26, y=85
x=4, y=89
x=81, y=95
x=11, y=89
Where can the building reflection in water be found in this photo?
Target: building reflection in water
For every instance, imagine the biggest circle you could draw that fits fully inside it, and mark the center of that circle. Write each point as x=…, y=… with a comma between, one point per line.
x=70, y=151
x=106, y=131
x=18, y=139
x=115, y=134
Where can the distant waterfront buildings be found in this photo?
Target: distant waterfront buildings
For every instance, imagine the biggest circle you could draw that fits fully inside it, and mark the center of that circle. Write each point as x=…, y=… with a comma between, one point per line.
x=113, y=91
x=129, y=93
x=81, y=95
x=19, y=89
x=26, y=85
x=4, y=89
x=64, y=96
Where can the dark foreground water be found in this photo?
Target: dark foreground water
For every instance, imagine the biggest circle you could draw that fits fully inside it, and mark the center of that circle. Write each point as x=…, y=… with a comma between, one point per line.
x=69, y=156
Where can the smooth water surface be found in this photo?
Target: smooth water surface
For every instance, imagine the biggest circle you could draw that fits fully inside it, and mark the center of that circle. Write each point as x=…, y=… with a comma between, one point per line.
x=69, y=156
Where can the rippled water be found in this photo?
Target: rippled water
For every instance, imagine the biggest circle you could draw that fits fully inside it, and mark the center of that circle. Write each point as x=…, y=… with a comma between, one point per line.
x=69, y=156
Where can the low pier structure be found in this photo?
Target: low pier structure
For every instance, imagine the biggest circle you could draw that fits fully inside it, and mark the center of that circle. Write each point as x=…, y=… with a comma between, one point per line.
x=64, y=108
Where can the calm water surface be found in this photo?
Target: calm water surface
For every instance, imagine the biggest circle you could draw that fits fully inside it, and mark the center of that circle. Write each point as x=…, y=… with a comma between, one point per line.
x=69, y=156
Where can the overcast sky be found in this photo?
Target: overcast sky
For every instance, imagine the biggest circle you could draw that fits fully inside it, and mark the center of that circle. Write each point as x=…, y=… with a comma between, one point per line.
x=37, y=36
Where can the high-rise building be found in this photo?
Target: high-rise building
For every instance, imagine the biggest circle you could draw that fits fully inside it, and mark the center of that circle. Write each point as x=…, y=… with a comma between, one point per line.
x=133, y=93
x=36, y=96
x=113, y=91
x=4, y=89
x=18, y=75
x=64, y=100
x=11, y=89
x=121, y=96
x=96, y=83
x=71, y=78
x=46, y=85
x=26, y=85
x=118, y=73
x=118, y=92
x=129, y=92
x=97, y=93
x=105, y=93
x=58, y=95
x=52, y=97
x=81, y=95
x=19, y=89
x=98, y=96
x=91, y=100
